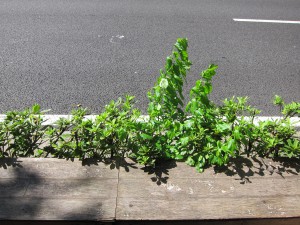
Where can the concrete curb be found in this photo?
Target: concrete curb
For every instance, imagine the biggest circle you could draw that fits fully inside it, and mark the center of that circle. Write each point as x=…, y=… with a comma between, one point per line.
x=51, y=119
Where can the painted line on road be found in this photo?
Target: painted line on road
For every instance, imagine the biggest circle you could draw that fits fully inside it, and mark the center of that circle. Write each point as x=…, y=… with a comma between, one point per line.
x=266, y=21
x=51, y=119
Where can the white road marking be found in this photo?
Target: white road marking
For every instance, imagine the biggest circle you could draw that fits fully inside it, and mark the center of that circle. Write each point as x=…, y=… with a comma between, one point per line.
x=266, y=21
x=51, y=119
x=112, y=39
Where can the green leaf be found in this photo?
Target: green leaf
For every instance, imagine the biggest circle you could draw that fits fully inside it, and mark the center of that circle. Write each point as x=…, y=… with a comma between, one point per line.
x=184, y=141
x=158, y=107
x=146, y=136
x=188, y=124
x=223, y=126
x=237, y=134
x=169, y=63
x=190, y=161
x=207, y=88
x=179, y=157
x=277, y=100
x=164, y=83
x=36, y=108
x=122, y=133
x=210, y=72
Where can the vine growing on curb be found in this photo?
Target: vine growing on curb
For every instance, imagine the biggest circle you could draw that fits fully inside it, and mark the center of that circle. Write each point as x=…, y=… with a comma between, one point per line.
x=201, y=133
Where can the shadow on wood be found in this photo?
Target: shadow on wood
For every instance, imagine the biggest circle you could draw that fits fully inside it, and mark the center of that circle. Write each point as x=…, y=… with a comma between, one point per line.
x=246, y=167
x=53, y=189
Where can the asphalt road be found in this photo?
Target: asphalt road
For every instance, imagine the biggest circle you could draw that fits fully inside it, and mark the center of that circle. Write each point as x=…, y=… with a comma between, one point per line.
x=60, y=53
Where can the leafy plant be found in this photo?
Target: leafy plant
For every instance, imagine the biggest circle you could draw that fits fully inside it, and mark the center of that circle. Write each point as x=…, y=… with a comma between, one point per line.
x=73, y=137
x=4, y=141
x=277, y=138
x=201, y=132
x=207, y=135
x=22, y=133
x=155, y=138
x=107, y=136
x=288, y=110
x=116, y=128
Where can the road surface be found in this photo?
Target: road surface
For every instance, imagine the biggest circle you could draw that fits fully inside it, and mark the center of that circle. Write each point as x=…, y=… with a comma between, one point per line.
x=60, y=53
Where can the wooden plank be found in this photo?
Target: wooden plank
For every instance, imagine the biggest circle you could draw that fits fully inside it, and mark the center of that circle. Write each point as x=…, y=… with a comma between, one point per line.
x=13, y=187
x=56, y=168
x=190, y=188
x=59, y=222
x=11, y=168
x=237, y=168
x=88, y=209
x=56, y=189
x=276, y=221
x=258, y=189
x=208, y=208
x=73, y=188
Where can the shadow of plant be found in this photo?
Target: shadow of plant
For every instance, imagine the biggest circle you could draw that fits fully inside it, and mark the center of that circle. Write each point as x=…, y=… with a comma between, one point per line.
x=115, y=163
x=7, y=162
x=14, y=183
x=160, y=171
x=245, y=167
x=26, y=193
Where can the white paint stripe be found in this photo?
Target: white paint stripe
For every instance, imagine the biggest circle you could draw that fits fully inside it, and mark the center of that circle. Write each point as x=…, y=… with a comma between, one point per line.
x=294, y=120
x=51, y=119
x=266, y=21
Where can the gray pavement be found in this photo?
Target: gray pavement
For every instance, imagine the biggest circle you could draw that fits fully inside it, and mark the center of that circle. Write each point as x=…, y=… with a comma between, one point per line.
x=60, y=53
